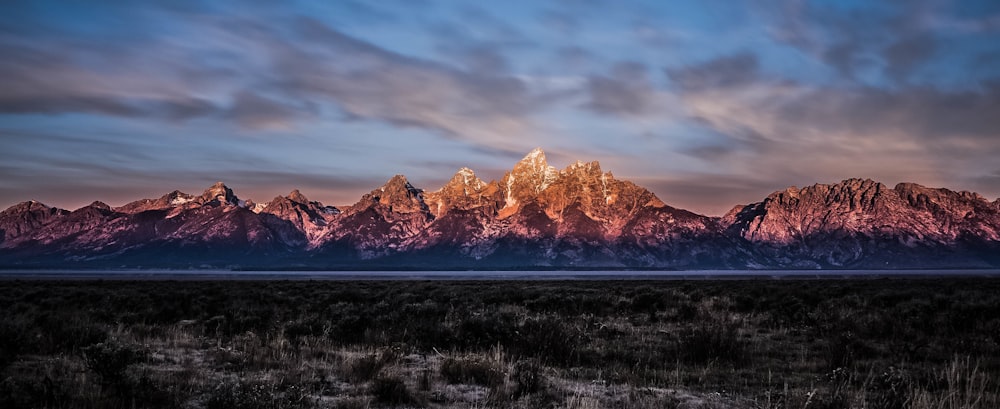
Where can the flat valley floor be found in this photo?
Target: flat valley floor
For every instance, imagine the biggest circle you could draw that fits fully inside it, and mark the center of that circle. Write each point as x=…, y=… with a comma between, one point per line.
x=888, y=343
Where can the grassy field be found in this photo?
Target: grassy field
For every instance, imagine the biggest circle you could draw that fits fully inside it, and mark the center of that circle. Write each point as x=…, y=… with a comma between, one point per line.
x=884, y=344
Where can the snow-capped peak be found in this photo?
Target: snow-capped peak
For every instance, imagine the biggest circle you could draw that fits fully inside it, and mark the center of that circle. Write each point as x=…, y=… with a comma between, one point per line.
x=466, y=178
x=536, y=153
x=535, y=166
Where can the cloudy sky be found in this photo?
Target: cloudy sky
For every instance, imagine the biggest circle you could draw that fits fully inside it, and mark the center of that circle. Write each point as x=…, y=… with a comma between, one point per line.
x=707, y=103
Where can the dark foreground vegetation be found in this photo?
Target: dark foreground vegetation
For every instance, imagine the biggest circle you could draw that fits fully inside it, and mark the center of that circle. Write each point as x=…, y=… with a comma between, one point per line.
x=882, y=344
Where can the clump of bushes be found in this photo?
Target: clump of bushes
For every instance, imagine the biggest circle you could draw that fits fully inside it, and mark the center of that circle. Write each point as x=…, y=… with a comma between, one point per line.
x=12, y=342
x=714, y=341
x=528, y=377
x=240, y=395
x=111, y=359
x=28, y=393
x=472, y=370
x=369, y=366
x=549, y=339
x=392, y=390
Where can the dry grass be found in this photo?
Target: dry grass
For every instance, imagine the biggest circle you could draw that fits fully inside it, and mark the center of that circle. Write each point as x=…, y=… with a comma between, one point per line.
x=883, y=345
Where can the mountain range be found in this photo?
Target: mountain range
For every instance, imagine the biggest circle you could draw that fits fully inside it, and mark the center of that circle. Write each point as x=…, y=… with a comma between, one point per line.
x=534, y=217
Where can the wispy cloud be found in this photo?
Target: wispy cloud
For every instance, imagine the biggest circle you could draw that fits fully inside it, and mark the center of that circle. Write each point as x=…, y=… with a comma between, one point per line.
x=684, y=94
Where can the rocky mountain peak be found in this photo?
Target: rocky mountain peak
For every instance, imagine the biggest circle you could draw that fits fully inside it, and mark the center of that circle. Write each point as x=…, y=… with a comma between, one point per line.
x=31, y=207
x=298, y=197
x=167, y=201
x=177, y=198
x=220, y=193
x=256, y=207
x=398, y=194
x=535, y=168
x=24, y=217
x=398, y=184
x=582, y=169
x=466, y=181
x=852, y=193
x=793, y=214
x=530, y=176
x=22, y=207
x=97, y=204
x=464, y=191
x=535, y=215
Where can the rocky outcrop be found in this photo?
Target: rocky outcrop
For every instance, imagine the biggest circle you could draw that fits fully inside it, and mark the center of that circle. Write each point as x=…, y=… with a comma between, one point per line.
x=378, y=224
x=167, y=201
x=577, y=217
x=529, y=177
x=26, y=217
x=306, y=220
x=534, y=217
x=464, y=192
x=862, y=223
x=219, y=194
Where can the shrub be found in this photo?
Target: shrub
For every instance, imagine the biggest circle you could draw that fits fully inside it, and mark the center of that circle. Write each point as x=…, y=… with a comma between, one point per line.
x=27, y=393
x=296, y=332
x=350, y=329
x=549, y=339
x=527, y=377
x=69, y=335
x=483, y=332
x=392, y=390
x=239, y=395
x=714, y=341
x=890, y=390
x=12, y=342
x=369, y=366
x=147, y=391
x=843, y=349
x=471, y=370
x=111, y=359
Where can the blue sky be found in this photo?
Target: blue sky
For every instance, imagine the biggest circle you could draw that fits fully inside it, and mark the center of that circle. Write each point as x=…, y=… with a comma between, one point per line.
x=709, y=104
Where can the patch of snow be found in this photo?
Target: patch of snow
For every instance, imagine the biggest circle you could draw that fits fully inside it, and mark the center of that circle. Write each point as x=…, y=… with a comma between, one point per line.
x=550, y=176
x=179, y=200
x=259, y=207
x=604, y=188
x=510, y=186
